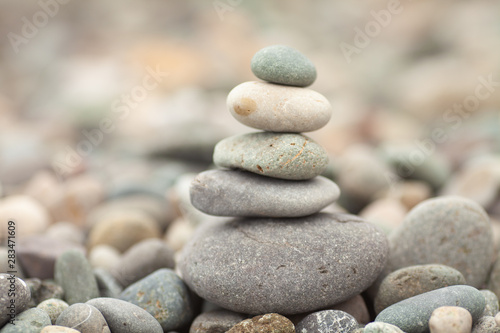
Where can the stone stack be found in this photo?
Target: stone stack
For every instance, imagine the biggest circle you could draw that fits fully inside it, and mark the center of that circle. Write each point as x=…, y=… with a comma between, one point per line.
x=279, y=254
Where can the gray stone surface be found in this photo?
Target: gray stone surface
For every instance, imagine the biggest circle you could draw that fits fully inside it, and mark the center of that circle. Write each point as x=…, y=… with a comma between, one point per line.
x=275, y=108
x=491, y=308
x=241, y=193
x=218, y=321
x=278, y=155
x=125, y=317
x=381, y=328
x=412, y=315
x=29, y=321
x=283, y=64
x=327, y=321
x=54, y=307
x=269, y=322
x=452, y=231
x=14, y=297
x=43, y=290
x=107, y=284
x=165, y=296
x=287, y=266
x=74, y=273
x=143, y=259
x=415, y=280
x=84, y=318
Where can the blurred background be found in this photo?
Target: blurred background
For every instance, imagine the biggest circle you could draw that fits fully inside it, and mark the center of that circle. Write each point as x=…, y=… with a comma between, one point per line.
x=102, y=100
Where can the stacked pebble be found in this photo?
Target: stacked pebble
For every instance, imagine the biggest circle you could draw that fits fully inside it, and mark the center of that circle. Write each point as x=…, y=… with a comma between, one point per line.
x=279, y=254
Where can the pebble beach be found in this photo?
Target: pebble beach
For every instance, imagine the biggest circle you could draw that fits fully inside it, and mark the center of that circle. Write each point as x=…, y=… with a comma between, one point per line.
x=237, y=167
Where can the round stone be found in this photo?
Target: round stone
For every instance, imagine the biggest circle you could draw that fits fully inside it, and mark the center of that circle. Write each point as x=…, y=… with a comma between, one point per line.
x=491, y=308
x=287, y=266
x=381, y=328
x=327, y=321
x=412, y=315
x=270, y=322
x=125, y=317
x=74, y=274
x=14, y=297
x=29, y=215
x=241, y=193
x=215, y=321
x=104, y=256
x=277, y=155
x=447, y=319
x=54, y=307
x=84, y=318
x=415, y=280
x=452, y=231
x=57, y=329
x=165, y=296
x=283, y=64
x=29, y=321
x=276, y=108
x=107, y=284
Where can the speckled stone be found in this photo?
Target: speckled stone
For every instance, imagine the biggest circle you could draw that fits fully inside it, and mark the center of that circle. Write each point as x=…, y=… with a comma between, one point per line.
x=143, y=259
x=277, y=155
x=54, y=307
x=486, y=324
x=276, y=108
x=165, y=296
x=57, y=329
x=218, y=321
x=448, y=319
x=356, y=307
x=74, y=273
x=269, y=265
x=241, y=193
x=412, y=315
x=107, y=284
x=29, y=321
x=125, y=317
x=381, y=328
x=491, y=308
x=283, y=64
x=83, y=317
x=269, y=322
x=415, y=280
x=14, y=297
x=452, y=231
x=327, y=321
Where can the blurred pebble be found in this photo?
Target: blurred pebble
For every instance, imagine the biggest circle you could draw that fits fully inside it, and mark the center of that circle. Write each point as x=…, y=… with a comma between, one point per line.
x=123, y=230
x=448, y=319
x=378, y=327
x=83, y=317
x=491, y=308
x=486, y=324
x=38, y=254
x=54, y=307
x=67, y=231
x=142, y=259
x=5, y=265
x=327, y=321
x=179, y=233
x=74, y=273
x=386, y=213
x=270, y=322
x=410, y=192
x=29, y=215
x=497, y=319
x=107, y=284
x=219, y=321
x=28, y=321
x=104, y=256
x=57, y=329
x=22, y=297
x=43, y=290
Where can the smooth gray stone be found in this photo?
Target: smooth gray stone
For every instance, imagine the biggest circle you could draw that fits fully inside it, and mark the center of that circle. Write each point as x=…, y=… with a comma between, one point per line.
x=278, y=155
x=241, y=193
x=108, y=286
x=125, y=317
x=84, y=318
x=283, y=65
x=14, y=297
x=219, y=321
x=29, y=321
x=165, y=296
x=452, y=231
x=415, y=280
x=74, y=273
x=287, y=266
x=491, y=308
x=412, y=315
x=327, y=321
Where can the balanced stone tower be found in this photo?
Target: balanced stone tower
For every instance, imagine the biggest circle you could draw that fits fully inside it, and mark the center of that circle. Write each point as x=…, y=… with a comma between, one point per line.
x=279, y=253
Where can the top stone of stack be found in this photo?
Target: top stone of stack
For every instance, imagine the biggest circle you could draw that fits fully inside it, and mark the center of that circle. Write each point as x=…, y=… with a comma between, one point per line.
x=283, y=65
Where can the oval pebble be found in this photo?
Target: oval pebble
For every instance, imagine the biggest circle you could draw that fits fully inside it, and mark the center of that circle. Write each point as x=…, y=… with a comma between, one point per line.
x=269, y=265
x=412, y=315
x=241, y=193
x=269, y=322
x=491, y=308
x=327, y=321
x=57, y=329
x=83, y=317
x=29, y=215
x=54, y=307
x=107, y=284
x=165, y=296
x=277, y=155
x=381, y=328
x=452, y=231
x=218, y=321
x=29, y=321
x=275, y=108
x=12, y=304
x=125, y=317
x=447, y=319
x=415, y=280
x=283, y=64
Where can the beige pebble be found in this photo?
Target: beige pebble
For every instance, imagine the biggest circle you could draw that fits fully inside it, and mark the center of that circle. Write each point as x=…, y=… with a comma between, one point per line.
x=179, y=232
x=410, y=192
x=104, y=256
x=67, y=231
x=450, y=319
x=386, y=213
x=58, y=329
x=29, y=215
x=278, y=108
x=497, y=319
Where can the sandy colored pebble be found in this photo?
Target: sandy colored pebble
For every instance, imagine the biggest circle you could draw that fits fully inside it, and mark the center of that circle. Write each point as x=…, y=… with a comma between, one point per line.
x=450, y=319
